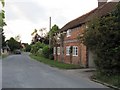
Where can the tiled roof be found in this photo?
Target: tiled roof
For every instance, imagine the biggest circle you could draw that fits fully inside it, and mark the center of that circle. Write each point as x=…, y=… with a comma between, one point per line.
x=100, y=11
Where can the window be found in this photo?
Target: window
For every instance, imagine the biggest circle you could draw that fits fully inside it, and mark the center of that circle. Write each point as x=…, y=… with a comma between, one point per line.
x=58, y=50
x=75, y=51
x=68, y=50
x=86, y=26
x=54, y=51
x=68, y=33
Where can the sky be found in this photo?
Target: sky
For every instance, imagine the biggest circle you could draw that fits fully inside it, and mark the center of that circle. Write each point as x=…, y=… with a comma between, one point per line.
x=23, y=16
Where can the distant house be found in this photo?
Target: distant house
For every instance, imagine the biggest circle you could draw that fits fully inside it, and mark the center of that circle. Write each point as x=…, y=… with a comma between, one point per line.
x=69, y=49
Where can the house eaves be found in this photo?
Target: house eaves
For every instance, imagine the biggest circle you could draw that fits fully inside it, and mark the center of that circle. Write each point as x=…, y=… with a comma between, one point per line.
x=98, y=12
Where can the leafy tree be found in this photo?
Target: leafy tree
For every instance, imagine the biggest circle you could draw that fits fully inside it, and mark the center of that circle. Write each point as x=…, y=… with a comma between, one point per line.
x=39, y=38
x=42, y=49
x=2, y=23
x=35, y=47
x=45, y=51
x=103, y=38
x=3, y=3
x=45, y=39
x=54, y=29
x=13, y=44
x=28, y=48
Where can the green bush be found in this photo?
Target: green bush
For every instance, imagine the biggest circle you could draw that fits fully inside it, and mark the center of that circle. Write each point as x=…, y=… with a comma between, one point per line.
x=39, y=52
x=28, y=48
x=40, y=49
x=103, y=38
x=45, y=51
x=36, y=47
x=51, y=57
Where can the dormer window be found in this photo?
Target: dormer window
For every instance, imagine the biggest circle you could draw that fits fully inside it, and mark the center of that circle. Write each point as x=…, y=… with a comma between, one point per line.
x=69, y=33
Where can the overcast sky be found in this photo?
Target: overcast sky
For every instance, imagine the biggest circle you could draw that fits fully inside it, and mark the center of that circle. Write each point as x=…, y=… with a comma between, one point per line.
x=23, y=16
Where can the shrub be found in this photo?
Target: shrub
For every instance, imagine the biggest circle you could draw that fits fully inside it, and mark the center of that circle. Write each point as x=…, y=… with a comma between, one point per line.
x=28, y=48
x=103, y=38
x=36, y=47
x=51, y=57
x=45, y=51
x=40, y=49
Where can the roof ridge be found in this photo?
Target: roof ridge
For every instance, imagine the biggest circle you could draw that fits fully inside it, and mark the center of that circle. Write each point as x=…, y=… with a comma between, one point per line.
x=87, y=16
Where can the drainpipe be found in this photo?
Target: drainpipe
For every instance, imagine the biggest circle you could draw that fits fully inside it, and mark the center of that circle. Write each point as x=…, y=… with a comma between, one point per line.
x=62, y=35
x=87, y=57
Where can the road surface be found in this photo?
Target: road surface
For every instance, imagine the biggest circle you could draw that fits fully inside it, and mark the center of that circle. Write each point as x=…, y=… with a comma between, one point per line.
x=20, y=71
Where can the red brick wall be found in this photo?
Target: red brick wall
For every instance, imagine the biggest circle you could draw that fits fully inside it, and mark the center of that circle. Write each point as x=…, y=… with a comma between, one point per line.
x=83, y=55
x=57, y=57
x=75, y=59
x=81, y=48
x=81, y=58
x=75, y=33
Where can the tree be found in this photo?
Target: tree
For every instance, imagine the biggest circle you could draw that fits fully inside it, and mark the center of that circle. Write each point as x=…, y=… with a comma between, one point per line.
x=39, y=38
x=35, y=47
x=42, y=32
x=2, y=2
x=103, y=38
x=13, y=44
x=28, y=48
x=52, y=32
x=2, y=23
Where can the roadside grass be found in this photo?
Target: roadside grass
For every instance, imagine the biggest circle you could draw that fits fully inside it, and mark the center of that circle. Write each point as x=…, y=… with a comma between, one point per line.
x=4, y=56
x=53, y=63
x=112, y=80
x=0, y=56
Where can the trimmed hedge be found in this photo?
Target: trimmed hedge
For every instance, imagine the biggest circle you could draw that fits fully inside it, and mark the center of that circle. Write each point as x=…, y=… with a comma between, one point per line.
x=102, y=37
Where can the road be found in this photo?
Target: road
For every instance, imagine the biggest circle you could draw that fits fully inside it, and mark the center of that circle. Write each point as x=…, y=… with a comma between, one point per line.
x=0, y=72
x=20, y=71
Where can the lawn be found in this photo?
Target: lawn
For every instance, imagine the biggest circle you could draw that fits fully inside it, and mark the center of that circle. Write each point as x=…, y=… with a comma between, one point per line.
x=112, y=80
x=53, y=63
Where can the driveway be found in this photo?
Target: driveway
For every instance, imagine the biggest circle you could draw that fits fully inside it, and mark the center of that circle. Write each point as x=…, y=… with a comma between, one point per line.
x=20, y=71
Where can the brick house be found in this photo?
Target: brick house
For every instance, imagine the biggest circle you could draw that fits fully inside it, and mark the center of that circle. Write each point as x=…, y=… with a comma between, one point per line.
x=68, y=48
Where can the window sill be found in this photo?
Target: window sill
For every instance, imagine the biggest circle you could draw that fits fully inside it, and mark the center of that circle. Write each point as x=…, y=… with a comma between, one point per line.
x=68, y=36
x=75, y=55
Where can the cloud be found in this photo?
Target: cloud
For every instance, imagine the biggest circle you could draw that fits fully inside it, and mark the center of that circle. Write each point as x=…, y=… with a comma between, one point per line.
x=20, y=28
x=28, y=10
x=22, y=16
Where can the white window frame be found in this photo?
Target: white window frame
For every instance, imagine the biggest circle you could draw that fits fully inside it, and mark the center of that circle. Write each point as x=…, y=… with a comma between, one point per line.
x=75, y=50
x=68, y=50
x=86, y=26
x=58, y=50
x=68, y=32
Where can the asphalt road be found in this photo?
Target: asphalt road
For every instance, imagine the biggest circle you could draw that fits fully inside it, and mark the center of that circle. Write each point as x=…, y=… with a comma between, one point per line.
x=0, y=73
x=20, y=71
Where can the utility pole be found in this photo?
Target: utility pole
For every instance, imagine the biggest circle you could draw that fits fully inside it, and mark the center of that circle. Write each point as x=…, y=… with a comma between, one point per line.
x=49, y=31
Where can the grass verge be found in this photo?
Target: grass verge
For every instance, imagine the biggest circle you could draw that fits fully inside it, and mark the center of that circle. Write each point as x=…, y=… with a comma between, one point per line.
x=113, y=80
x=53, y=63
x=4, y=56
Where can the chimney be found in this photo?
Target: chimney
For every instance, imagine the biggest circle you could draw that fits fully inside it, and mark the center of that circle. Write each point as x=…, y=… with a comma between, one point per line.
x=101, y=2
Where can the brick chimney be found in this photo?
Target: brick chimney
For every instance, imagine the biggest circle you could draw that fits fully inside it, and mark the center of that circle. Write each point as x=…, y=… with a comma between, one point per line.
x=101, y=2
